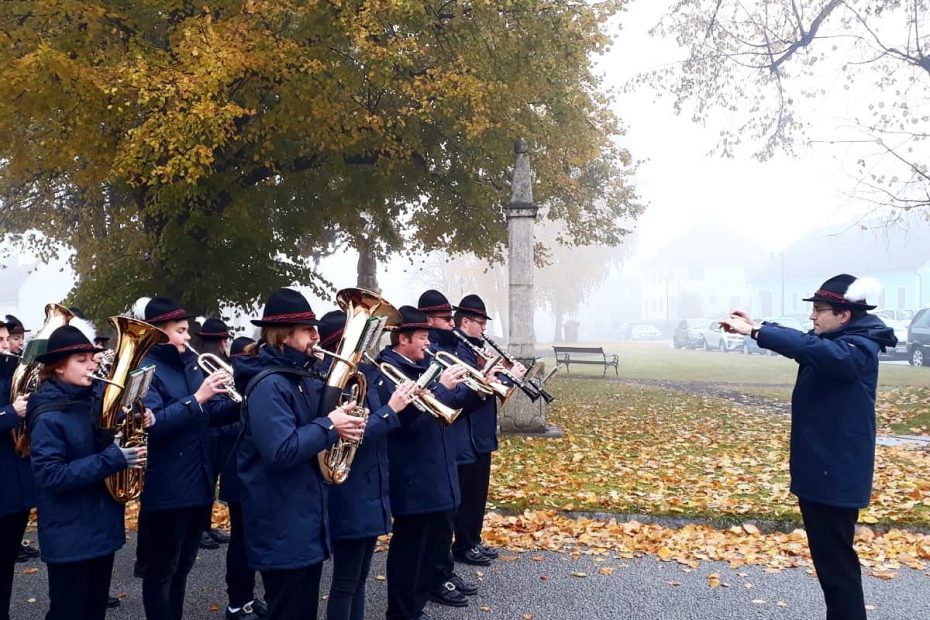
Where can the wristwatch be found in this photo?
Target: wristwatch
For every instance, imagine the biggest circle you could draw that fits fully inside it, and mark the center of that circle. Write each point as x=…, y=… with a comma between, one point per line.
x=754, y=333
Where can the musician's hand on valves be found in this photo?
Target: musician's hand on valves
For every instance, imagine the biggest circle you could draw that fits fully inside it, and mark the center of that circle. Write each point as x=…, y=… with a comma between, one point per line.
x=19, y=405
x=349, y=427
x=403, y=396
x=148, y=418
x=452, y=376
x=491, y=373
x=211, y=386
x=135, y=457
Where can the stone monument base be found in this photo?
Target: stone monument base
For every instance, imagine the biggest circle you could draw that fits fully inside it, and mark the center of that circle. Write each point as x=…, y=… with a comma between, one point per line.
x=522, y=416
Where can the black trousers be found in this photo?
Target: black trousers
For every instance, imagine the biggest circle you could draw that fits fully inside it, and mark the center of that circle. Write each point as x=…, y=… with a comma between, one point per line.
x=240, y=578
x=293, y=594
x=412, y=558
x=474, y=480
x=444, y=566
x=79, y=589
x=351, y=561
x=172, y=538
x=12, y=528
x=830, y=533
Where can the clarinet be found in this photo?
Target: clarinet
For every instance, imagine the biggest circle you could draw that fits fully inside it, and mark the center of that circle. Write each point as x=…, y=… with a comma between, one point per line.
x=527, y=388
x=538, y=387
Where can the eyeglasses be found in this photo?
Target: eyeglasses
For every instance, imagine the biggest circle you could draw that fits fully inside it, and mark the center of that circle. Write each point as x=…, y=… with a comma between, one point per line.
x=443, y=318
x=819, y=310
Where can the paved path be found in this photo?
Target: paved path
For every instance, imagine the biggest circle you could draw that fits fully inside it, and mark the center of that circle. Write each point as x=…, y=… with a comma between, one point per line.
x=546, y=589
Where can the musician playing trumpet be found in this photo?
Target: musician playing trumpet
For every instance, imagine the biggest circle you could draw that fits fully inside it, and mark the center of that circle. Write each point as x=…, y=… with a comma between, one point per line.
x=80, y=525
x=423, y=476
x=178, y=491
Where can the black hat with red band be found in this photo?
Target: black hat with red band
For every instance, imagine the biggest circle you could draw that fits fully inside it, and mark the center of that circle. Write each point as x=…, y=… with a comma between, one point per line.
x=847, y=291
x=65, y=341
x=411, y=320
x=286, y=307
x=472, y=305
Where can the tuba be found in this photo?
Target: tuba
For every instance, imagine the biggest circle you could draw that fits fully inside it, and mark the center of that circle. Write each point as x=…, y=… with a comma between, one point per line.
x=122, y=397
x=367, y=314
x=26, y=375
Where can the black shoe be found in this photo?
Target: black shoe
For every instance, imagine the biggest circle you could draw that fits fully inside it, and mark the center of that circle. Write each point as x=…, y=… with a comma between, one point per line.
x=219, y=536
x=472, y=556
x=138, y=570
x=243, y=613
x=258, y=607
x=113, y=602
x=446, y=594
x=491, y=552
x=468, y=588
x=27, y=551
x=207, y=542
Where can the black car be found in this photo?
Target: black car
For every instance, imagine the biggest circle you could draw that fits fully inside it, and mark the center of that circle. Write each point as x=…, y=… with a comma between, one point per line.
x=918, y=339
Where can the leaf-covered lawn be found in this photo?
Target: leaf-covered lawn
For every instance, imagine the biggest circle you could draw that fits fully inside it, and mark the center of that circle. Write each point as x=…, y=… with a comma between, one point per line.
x=631, y=449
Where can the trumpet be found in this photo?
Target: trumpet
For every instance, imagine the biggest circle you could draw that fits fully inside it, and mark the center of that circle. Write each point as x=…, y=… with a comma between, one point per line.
x=474, y=379
x=210, y=364
x=534, y=383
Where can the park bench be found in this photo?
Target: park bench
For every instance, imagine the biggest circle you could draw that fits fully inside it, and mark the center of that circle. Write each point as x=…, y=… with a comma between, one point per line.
x=586, y=355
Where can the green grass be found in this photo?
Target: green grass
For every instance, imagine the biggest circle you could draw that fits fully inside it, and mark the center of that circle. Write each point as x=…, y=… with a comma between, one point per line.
x=655, y=361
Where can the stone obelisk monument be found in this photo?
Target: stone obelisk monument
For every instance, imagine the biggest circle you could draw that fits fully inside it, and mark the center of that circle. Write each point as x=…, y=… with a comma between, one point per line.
x=520, y=414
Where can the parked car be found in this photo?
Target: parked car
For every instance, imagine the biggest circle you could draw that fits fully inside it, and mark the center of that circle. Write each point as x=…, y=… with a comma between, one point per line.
x=898, y=320
x=751, y=346
x=689, y=334
x=894, y=314
x=918, y=339
x=645, y=331
x=715, y=339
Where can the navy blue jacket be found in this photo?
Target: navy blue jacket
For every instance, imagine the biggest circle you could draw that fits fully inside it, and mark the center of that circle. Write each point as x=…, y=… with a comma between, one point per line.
x=421, y=451
x=482, y=413
x=78, y=520
x=17, y=492
x=833, y=408
x=180, y=468
x=229, y=475
x=360, y=507
x=463, y=398
x=284, y=498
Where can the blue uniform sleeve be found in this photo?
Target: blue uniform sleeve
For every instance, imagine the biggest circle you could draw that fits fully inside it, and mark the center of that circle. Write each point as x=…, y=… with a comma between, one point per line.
x=8, y=418
x=844, y=359
x=273, y=425
x=172, y=416
x=51, y=469
x=222, y=411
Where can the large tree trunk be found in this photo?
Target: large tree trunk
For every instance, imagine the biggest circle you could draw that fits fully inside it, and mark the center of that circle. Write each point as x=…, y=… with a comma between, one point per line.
x=367, y=271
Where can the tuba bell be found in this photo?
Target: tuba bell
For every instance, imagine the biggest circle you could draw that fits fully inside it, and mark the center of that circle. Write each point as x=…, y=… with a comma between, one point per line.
x=367, y=314
x=26, y=375
x=122, y=397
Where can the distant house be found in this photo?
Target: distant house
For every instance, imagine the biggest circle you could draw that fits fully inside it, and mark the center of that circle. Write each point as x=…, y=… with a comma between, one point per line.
x=898, y=257
x=12, y=282
x=704, y=272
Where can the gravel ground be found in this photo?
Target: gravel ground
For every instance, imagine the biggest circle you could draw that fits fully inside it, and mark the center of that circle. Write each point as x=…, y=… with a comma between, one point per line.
x=546, y=586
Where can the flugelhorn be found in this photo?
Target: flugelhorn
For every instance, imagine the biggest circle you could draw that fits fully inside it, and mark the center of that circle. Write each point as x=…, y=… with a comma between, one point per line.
x=474, y=379
x=210, y=364
x=533, y=382
x=424, y=400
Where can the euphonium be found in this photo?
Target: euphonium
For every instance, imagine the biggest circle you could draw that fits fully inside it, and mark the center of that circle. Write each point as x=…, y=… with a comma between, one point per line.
x=210, y=364
x=133, y=340
x=26, y=375
x=366, y=316
x=474, y=378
